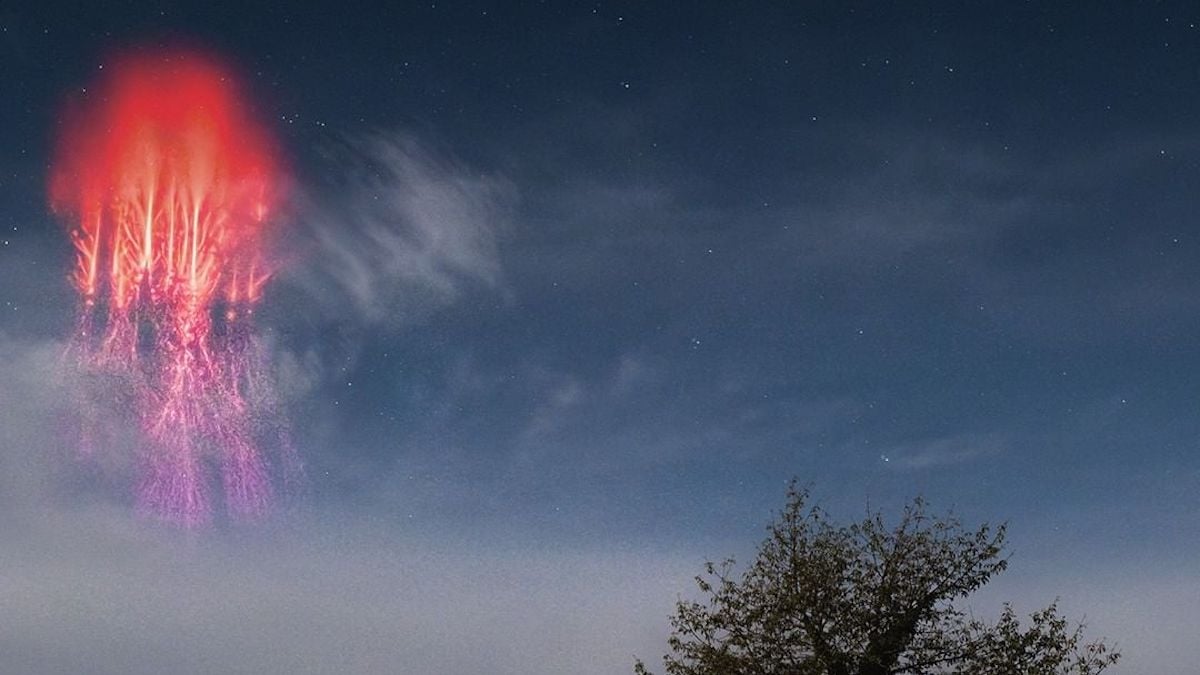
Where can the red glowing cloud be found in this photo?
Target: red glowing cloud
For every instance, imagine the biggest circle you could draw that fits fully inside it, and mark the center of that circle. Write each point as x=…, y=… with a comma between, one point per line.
x=169, y=179
x=169, y=185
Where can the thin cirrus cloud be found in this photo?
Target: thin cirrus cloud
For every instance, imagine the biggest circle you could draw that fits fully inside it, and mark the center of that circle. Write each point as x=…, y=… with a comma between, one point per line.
x=402, y=228
x=948, y=451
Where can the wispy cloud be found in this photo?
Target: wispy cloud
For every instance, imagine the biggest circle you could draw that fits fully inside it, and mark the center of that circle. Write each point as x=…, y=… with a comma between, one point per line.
x=400, y=228
x=939, y=452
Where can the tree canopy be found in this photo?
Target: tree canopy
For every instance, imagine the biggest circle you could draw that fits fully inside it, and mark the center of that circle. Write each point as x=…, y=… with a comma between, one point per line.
x=867, y=599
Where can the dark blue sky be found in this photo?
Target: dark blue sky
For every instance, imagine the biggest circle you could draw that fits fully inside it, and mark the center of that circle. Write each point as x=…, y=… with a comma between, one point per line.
x=607, y=275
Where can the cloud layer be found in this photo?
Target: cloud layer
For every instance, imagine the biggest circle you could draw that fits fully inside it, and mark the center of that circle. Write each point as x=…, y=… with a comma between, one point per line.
x=87, y=588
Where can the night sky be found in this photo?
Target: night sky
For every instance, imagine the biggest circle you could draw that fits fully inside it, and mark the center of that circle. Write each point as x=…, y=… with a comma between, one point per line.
x=576, y=288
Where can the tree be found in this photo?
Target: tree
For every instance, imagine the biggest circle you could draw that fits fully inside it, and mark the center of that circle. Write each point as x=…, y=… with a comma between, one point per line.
x=867, y=599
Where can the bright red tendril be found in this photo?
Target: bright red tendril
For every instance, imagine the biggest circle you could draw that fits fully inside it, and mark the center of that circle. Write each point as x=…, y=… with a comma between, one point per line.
x=169, y=179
